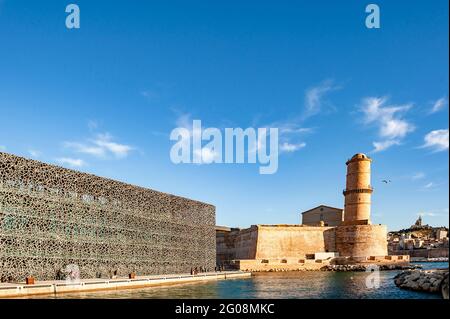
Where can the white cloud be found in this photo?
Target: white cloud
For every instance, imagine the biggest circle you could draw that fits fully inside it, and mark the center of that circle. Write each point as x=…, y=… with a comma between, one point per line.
x=105, y=142
x=150, y=94
x=289, y=147
x=185, y=121
x=434, y=213
x=85, y=148
x=428, y=214
x=286, y=128
x=417, y=176
x=72, y=162
x=314, y=97
x=34, y=153
x=289, y=134
x=287, y=131
x=384, y=145
x=429, y=185
x=439, y=105
x=290, y=131
x=207, y=155
x=437, y=140
x=392, y=127
x=100, y=146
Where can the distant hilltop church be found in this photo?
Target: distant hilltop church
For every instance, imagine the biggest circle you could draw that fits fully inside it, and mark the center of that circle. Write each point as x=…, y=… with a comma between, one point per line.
x=326, y=235
x=419, y=224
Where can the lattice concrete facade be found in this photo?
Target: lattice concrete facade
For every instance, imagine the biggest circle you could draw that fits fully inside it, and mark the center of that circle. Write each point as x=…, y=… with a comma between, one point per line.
x=51, y=217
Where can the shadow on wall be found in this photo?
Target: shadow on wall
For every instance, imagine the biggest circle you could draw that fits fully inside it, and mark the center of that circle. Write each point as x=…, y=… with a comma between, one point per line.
x=329, y=239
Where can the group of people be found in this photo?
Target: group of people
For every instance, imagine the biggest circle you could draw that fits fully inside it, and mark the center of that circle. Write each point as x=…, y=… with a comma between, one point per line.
x=196, y=270
x=219, y=268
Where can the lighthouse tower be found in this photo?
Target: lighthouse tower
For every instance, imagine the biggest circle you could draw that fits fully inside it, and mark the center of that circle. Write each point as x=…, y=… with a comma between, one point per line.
x=358, y=191
x=357, y=237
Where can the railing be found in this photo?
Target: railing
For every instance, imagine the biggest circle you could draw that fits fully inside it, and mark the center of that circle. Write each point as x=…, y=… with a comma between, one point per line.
x=368, y=189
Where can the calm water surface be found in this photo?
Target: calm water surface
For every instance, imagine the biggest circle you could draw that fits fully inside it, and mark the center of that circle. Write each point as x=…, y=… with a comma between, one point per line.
x=312, y=284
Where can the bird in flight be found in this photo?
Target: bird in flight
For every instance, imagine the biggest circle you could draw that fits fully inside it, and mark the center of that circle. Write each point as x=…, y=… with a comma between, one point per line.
x=386, y=181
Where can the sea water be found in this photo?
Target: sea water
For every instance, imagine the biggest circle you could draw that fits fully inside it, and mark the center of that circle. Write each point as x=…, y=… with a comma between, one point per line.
x=298, y=284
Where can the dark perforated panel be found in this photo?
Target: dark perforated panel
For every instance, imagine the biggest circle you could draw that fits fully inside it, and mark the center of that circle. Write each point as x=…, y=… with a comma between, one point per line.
x=51, y=217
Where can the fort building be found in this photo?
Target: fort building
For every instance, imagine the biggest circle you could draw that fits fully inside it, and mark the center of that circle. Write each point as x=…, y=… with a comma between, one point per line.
x=53, y=219
x=326, y=235
x=323, y=215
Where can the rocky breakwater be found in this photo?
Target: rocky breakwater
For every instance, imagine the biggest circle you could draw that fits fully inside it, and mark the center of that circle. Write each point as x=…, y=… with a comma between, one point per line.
x=367, y=267
x=433, y=281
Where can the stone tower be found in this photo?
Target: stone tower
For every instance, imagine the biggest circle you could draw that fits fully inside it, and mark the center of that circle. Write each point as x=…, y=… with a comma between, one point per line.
x=358, y=191
x=356, y=237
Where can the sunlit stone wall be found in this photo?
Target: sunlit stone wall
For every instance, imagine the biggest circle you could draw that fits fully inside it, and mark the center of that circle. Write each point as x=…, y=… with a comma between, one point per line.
x=274, y=242
x=51, y=217
x=361, y=240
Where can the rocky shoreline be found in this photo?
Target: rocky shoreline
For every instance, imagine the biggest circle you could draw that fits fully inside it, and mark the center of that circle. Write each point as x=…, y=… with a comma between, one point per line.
x=431, y=260
x=432, y=281
x=346, y=267
x=361, y=267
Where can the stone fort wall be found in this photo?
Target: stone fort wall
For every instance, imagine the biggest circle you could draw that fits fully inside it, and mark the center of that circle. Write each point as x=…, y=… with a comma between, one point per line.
x=51, y=217
x=361, y=240
x=297, y=241
x=236, y=244
x=281, y=241
x=274, y=241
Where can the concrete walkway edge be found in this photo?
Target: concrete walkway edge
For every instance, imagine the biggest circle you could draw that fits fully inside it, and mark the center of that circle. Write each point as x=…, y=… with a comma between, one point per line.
x=12, y=290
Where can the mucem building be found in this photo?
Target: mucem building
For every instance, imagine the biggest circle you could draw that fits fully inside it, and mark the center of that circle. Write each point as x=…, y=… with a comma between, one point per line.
x=52, y=218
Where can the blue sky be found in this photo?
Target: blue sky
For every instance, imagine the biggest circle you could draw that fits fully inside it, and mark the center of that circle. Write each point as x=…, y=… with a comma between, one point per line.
x=104, y=98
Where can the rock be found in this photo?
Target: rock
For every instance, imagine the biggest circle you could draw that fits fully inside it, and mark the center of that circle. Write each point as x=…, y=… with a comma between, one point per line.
x=430, y=281
x=444, y=287
x=399, y=281
x=401, y=278
x=414, y=276
x=426, y=286
x=436, y=283
x=421, y=280
x=413, y=285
